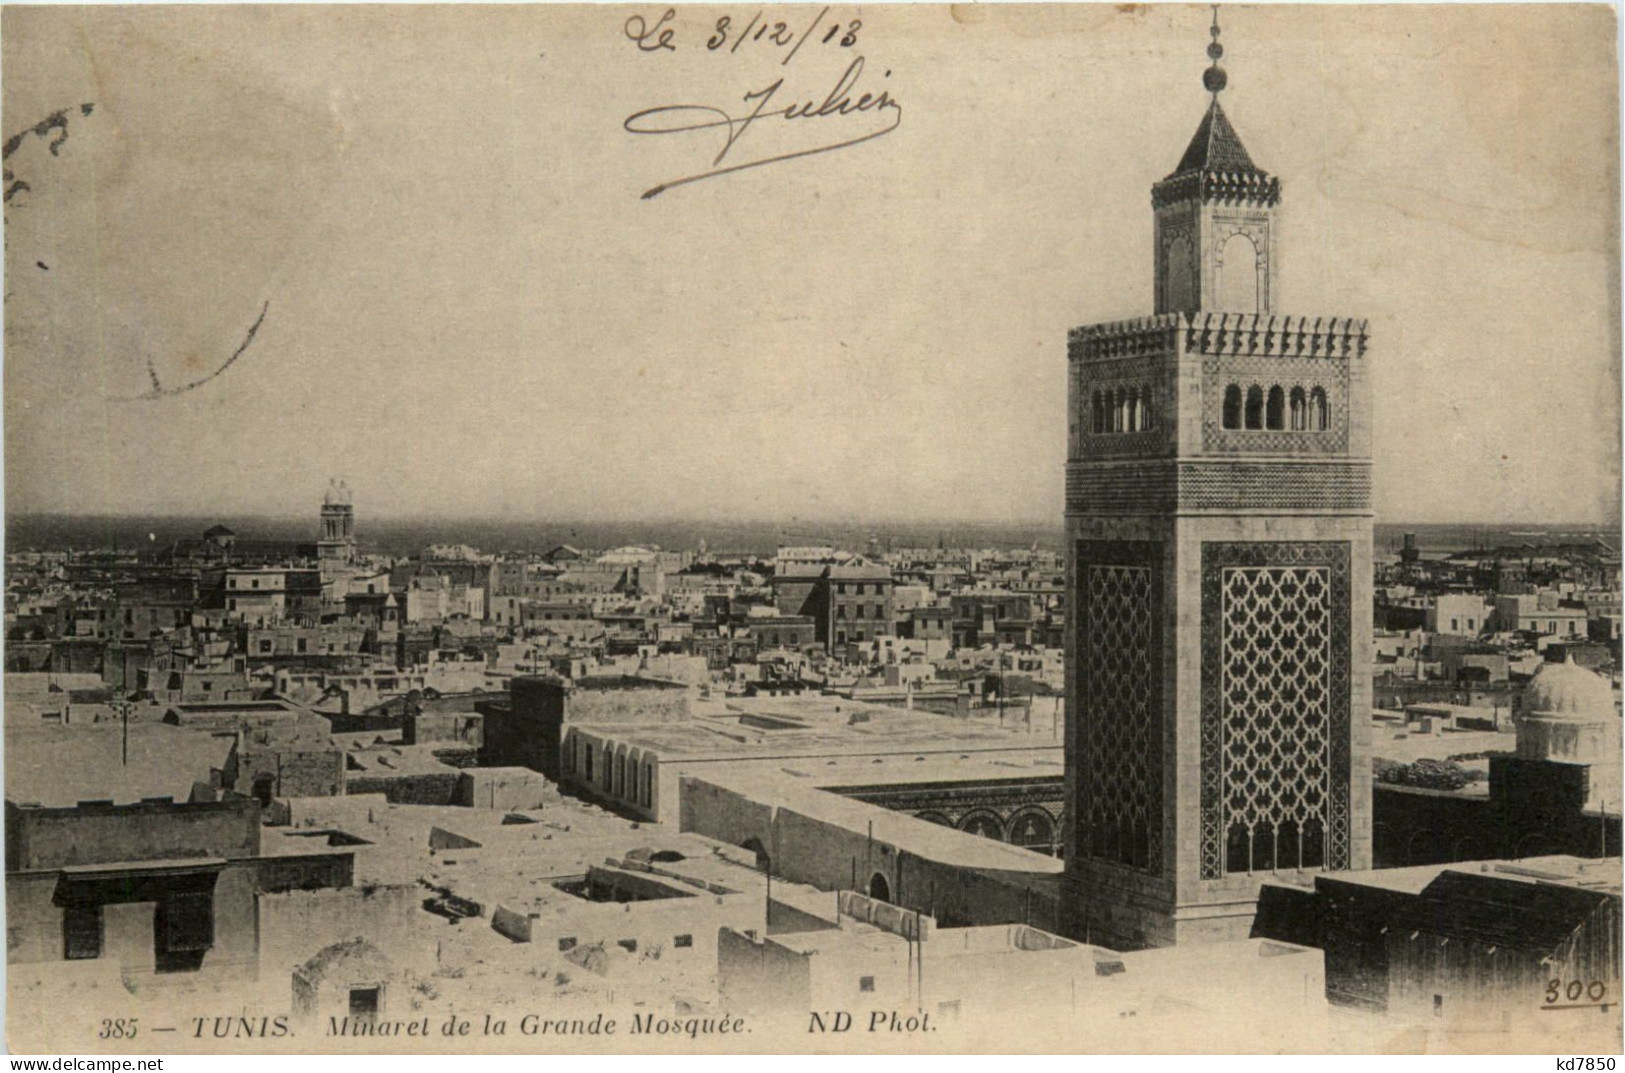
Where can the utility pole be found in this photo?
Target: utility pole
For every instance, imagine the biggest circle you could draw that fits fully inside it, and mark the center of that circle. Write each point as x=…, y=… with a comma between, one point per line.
x=1001, y=688
x=772, y=862
x=123, y=707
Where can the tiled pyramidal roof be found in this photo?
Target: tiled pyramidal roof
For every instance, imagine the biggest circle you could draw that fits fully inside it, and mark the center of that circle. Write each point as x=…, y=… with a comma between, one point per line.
x=1216, y=147
x=1216, y=167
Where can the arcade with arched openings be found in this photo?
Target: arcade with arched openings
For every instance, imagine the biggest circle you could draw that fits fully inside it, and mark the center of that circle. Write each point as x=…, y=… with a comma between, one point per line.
x=1275, y=408
x=1025, y=813
x=985, y=823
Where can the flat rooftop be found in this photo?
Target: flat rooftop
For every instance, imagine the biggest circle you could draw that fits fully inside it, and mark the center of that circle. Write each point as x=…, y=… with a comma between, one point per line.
x=60, y=766
x=853, y=936
x=511, y=858
x=922, y=838
x=26, y=684
x=391, y=759
x=1602, y=873
x=1392, y=742
x=1045, y=761
x=818, y=726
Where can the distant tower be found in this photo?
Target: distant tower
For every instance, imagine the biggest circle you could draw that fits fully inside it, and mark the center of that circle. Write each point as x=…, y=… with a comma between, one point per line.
x=1219, y=576
x=337, y=543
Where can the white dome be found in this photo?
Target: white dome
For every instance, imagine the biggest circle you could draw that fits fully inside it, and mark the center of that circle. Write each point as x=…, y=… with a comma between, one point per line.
x=1568, y=689
x=338, y=495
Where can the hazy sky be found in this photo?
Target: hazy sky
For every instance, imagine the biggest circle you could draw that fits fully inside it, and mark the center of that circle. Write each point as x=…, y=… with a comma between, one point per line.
x=468, y=308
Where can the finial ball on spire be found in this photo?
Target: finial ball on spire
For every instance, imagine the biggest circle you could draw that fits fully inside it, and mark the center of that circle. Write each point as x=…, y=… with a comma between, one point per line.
x=1214, y=77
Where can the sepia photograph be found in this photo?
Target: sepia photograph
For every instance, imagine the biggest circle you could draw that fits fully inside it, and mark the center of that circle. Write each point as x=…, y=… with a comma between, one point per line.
x=1057, y=528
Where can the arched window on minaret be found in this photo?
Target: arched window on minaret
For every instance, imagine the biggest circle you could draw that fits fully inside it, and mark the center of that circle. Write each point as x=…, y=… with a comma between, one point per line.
x=1313, y=841
x=1097, y=414
x=1238, y=848
x=1255, y=407
x=1275, y=409
x=1232, y=407
x=1133, y=415
x=1317, y=410
x=1145, y=407
x=1238, y=275
x=1180, y=275
x=1120, y=402
x=1299, y=409
x=1288, y=846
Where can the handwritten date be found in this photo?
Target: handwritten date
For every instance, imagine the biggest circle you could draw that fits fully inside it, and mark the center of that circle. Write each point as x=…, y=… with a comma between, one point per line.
x=661, y=36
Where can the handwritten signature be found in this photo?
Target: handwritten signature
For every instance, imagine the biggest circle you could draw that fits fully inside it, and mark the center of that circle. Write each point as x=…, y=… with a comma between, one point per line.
x=685, y=118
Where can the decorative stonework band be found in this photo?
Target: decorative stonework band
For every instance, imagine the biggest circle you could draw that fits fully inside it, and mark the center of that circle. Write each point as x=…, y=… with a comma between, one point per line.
x=1238, y=485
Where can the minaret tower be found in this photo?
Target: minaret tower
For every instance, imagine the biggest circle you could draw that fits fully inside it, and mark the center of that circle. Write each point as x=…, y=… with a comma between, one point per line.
x=1219, y=575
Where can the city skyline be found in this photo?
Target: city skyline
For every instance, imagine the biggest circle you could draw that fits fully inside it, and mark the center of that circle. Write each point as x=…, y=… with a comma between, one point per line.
x=538, y=342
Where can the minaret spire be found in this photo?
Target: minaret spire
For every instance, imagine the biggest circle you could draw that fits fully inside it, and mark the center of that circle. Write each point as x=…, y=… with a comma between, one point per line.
x=1214, y=77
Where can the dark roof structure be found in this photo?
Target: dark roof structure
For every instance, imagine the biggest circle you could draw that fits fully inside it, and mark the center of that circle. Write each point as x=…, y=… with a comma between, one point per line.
x=1498, y=911
x=1216, y=147
x=1216, y=167
x=241, y=552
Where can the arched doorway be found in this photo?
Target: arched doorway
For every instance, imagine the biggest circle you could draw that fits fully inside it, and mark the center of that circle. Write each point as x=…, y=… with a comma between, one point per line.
x=264, y=787
x=879, y=888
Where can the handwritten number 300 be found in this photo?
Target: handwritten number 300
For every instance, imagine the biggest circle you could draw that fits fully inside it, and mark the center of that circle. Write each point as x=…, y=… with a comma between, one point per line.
x=1596, y=991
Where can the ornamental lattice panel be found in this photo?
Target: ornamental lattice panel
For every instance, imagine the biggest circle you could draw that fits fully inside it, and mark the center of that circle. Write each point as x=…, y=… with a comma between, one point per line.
x=1119, y=748
x=1275, y=707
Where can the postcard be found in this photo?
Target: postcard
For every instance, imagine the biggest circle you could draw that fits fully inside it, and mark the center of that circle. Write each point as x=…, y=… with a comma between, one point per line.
x=812, y=529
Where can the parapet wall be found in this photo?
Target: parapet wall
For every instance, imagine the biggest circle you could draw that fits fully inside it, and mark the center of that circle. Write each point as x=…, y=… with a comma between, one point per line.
x=1273, y=335
x=99, y=833
x=631, y=704
x=296, y=924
